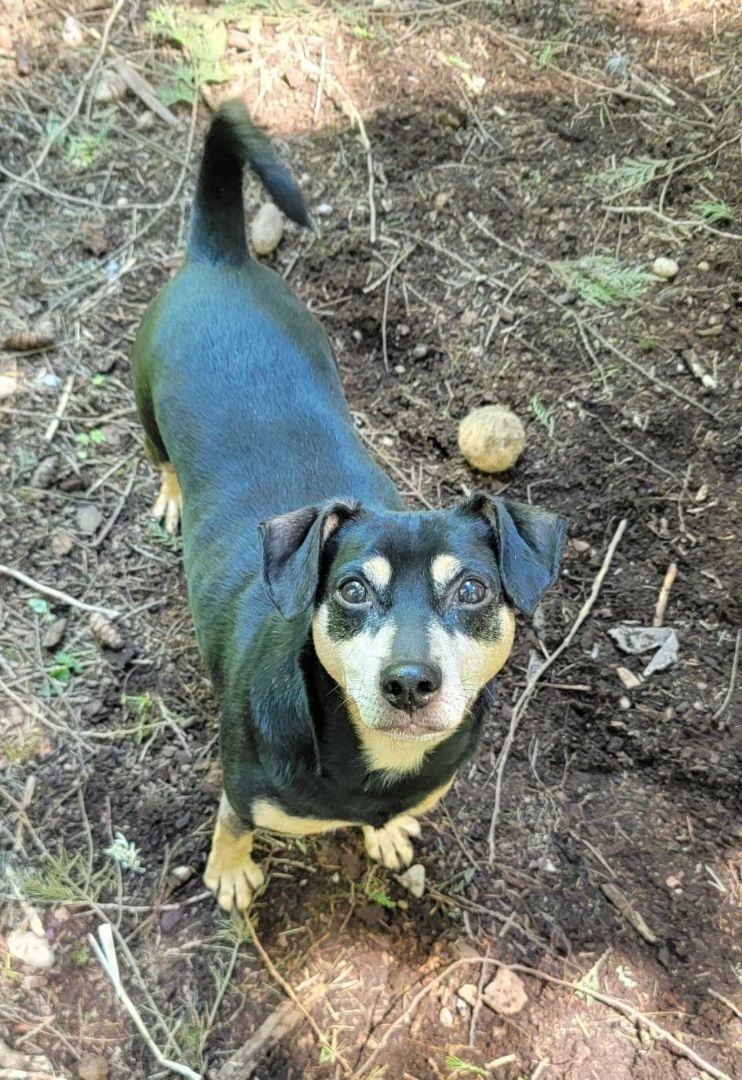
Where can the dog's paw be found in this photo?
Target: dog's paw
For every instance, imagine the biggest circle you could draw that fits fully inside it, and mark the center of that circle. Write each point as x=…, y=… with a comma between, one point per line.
x=233, y=886
x=392, y=846
x=169, y=503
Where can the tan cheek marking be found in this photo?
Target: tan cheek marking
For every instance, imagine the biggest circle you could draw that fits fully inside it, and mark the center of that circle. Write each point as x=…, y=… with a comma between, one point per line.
x=479, y=661
x=267, y=815
x=444, y=569
x=327, y=650
x=378, y=570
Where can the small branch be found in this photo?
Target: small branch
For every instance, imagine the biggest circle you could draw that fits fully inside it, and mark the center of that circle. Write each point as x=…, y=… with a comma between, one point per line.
x=59, y=411
x=732, y=678
x=693, y=223
x=139, y=86
x=729, y=1004
x=117, y=511
x=528, y=692
x=105, y=950
x=291, y=993
x=55, y=594
x=669, y=580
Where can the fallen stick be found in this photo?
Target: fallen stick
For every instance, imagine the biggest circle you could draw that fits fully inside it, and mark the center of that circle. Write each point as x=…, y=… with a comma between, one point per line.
x=620, y=1006
x=55, y=421
x=732, y=678
x=281, y=1022
x=55, y=594
x=664, y=596
x=530, y=687
x=139, y=86
x=105, y=950
x=624, y=906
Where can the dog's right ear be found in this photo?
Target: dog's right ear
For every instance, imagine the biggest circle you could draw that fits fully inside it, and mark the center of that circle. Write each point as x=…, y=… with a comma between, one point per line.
x=292, y=548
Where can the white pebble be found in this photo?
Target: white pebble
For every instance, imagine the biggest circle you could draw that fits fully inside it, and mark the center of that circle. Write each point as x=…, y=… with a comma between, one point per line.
x=267, y=229
x=413, y=880
x=665, y=268
x=30, y=949
x=325, y=209
x=72, y=34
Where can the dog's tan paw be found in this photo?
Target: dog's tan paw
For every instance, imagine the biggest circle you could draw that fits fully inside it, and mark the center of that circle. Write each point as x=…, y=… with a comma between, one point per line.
x=392, y=846
x=233, y=887
x=169, y=503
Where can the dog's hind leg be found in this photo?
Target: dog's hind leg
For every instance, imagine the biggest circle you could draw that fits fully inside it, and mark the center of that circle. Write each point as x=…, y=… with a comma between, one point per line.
x=231, y=873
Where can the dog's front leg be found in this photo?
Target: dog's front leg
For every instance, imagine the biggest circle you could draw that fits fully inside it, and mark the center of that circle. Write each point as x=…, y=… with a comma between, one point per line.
x=231, y=873
x=392, y=844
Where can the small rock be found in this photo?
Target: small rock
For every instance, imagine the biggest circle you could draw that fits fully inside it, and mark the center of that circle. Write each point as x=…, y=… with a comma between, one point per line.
x=665, y=268
x=62, y=543
x=325, y=209
x=8, y=385
x=93, y=237
x=110, y=87
x=420, y=351
x=445, y=1016
x=442, y=199
x=54, y=634
x=72, y=34
x=469, y=993
x=673, y=882
x=506, y=994
x=170, y=919
x=491, y=438
x=267, y=229
x=181, y=874
x=628, y=679
x=624, y=703
x=580, y=546
x=703, y=266
x=62, y=914
x=89, y=518
x=30, y=949
x=702, y=494
x=92, y=1067
x=413, y=880
x=45, y=472
x=399, y=369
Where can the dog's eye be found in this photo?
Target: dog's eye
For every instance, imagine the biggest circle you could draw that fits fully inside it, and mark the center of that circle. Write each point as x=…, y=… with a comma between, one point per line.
x=353, y=592
x=471, y=592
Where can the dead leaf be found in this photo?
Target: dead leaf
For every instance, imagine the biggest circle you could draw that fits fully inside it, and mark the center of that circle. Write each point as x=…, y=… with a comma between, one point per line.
x=24, y=339
x=54, y=634
x=62, y=543
x=92, y=1067
x=93, y=237
x=45, y=472
x=89, y=518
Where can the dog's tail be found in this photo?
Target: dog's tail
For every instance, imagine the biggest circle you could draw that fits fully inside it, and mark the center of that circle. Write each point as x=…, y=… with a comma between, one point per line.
x=218, y=218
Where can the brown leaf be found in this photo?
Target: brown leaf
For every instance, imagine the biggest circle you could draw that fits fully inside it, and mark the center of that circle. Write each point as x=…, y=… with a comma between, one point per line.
x=54, y=634
x=93, y=237
x=45, y=472
x=62, y=543
x=22, y=340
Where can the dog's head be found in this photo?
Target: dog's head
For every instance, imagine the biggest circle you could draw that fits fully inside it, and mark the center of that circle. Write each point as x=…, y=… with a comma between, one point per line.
x=412, y=612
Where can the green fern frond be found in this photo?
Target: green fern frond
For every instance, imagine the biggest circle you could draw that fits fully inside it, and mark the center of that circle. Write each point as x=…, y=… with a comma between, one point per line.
x=631, y=173
x=601, y=281
x=714, y=211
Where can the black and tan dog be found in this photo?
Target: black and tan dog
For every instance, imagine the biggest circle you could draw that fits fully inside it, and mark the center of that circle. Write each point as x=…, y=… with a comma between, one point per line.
x=352, y=642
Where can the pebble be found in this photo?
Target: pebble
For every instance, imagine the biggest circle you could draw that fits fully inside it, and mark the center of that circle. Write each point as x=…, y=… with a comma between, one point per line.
x=413, y=880
x=267, y=229
x=506, y=994
x=491, y=438
x=446, y=1017
x=703, y=266
x=182, y=873
x=399, y=369
x=665, y=268
x=92, y=1067
x=170, y=919
x=468, y=993
x=72, y=34
x=325, y=209
x=110, y=87
x=89, y=518
x=628, y=679
x=54, y=634
x=420, y=351
x=30, y=949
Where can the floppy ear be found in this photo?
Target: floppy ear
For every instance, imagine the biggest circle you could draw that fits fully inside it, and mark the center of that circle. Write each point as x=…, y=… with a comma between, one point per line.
x=292, y=547
x=528, y=542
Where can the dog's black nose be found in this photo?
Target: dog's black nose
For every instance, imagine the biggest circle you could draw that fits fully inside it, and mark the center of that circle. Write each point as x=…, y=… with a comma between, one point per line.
x=410, y=684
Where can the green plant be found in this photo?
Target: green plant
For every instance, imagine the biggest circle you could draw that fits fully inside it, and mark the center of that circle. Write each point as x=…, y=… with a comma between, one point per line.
x=376, y=893
x=86, y=439
x=41, y=608
x=142, y=706
x=80, y=955
x=202, y=35
x=162, y=536
x=601, y=280
x=83, y=150
x=546, y=56
x=714, y=211
x=125, y=853
x=64, y=879
x=64, y=667
x=180, y=87
x=544, y=416
x=629, y=174
x=98, y=379
x=457, y=1064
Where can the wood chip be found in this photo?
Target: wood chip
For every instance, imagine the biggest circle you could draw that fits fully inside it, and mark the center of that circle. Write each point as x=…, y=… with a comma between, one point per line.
x=624, y=906
x=281, y=1022
x=145, y=91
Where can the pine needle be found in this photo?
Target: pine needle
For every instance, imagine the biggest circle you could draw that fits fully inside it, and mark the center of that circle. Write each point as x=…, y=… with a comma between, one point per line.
x=601, y=281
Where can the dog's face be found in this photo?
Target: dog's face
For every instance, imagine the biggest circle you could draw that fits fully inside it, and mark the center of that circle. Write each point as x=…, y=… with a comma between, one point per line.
x=413, y=613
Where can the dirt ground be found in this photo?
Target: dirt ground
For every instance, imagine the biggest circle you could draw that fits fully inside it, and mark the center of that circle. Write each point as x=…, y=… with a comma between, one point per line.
x=465, y=163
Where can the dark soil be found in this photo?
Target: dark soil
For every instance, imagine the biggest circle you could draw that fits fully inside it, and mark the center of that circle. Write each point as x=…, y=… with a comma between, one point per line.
x=480, y=187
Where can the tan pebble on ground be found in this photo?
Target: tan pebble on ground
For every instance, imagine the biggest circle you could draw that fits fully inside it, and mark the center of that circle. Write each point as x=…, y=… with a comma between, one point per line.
x=92, y=1067
x=665, y=268
x=29, y=949
x=267, y=229
x=491, y=438
x=506, y=994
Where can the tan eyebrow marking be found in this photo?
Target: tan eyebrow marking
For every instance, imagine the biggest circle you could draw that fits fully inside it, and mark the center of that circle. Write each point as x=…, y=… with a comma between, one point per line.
x=378, y=570
x=444, y=569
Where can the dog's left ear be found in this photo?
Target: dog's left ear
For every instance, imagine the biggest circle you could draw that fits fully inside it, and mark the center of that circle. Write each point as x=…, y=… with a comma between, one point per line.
x=528, y=543
x=292, y=548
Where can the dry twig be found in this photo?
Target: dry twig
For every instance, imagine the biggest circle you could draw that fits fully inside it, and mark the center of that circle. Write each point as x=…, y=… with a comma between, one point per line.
x=55, y=594
x=732, y=678
x=667, y=584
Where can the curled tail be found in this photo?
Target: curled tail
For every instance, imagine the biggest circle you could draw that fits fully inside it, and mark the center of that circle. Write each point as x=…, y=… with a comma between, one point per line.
x=218, y=217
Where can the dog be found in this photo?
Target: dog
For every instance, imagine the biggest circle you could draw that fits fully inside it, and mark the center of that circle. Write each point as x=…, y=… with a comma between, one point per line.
x=352, y=642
